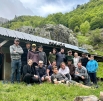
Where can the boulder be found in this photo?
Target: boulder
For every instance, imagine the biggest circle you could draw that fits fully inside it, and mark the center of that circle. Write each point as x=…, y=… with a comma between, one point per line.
x=88, y=47
x=55, y=32
x=86, y=98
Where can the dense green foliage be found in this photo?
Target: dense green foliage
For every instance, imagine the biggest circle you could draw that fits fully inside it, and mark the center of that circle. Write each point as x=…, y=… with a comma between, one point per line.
x=91, y=12
x=84, y=27
x=44, y=92
x=20, y=21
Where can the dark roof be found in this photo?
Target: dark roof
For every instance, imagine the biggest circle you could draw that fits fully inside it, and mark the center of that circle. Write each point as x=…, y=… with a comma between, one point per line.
x=28, y=37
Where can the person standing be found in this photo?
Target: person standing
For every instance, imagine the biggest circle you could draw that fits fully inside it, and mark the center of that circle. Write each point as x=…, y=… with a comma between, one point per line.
x=92, y=67
x=84, y=59
x=60, y=57
x=42, y=55
x=76, y=59
x=69, y=56
x=24, y=55
x=16, y=51
x=29, y=73
x=52, y=56
x=33, y=55
x=71, y=68
x=81, y=74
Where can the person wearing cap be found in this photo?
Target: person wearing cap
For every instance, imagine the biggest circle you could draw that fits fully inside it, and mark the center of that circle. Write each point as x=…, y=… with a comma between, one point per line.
x=16, y=51
x=24, y=55
x=29, y=73
x=92, y=67
x=41, y=70
x=52, y=56
x=84, y=59
x=60, y=57
x=33, y=55
x=42, y=55
x=69, y=56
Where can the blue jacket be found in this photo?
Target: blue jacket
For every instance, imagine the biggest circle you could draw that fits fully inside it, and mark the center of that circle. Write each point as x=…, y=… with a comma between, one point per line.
x=92, y=66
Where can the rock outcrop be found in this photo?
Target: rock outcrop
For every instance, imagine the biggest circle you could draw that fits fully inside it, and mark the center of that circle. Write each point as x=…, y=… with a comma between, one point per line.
x=54, y=32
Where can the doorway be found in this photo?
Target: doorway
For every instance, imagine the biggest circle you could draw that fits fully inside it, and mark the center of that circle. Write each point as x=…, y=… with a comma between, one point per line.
x=1, y=65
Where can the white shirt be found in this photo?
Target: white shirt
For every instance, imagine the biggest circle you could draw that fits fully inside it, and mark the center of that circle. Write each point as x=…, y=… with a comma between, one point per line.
x=64, y=71
x=76, y=60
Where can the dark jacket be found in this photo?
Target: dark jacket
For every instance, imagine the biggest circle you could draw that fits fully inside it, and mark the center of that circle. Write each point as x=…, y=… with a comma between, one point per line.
x=52, y=57
x=70, y=58
x=84, y=61
x=43, y=57
x=72, y=69
x=60, y=57
x=24, y=55
x=34, y=56
x=41, y=72
x=30, y=70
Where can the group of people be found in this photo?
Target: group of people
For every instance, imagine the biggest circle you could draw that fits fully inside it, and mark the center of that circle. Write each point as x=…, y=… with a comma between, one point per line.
x=35, y=67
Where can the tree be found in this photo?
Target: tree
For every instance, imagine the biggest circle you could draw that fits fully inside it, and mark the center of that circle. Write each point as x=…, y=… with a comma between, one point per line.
x=85, y=27
x=76, y=29
x=75, y=21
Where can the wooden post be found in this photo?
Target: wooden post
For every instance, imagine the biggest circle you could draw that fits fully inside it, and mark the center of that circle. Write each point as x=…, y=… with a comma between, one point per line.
x=101, y=96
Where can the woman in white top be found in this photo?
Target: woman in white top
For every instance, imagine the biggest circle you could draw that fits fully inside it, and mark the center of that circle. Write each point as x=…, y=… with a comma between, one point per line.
x=65, y=70
x=76, y=59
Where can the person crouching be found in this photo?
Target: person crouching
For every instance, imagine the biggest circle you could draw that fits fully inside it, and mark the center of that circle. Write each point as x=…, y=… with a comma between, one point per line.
x=29, y=73
x=57, y=77
x=41, y=70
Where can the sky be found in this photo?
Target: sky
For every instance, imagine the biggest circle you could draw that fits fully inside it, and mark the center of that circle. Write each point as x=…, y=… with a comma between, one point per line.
x=10, y=8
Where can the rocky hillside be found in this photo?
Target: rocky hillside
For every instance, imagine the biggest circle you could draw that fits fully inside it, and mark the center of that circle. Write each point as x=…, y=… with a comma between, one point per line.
x=54, y=32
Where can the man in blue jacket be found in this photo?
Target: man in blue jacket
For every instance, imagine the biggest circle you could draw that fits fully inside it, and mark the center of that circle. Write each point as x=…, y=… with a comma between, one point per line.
x=92, y=67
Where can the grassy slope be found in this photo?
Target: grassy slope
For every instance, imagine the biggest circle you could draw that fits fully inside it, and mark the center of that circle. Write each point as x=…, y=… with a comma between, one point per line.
x=85, y=40
x=44, y=92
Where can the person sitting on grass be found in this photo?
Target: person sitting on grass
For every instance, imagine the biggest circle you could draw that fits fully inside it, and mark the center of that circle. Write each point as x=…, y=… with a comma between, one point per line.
x=41, y=70
x=49, y=68
x=81, y=74
x=71, y=68
x=57, y=77
x=64, y=70
x=29, y=73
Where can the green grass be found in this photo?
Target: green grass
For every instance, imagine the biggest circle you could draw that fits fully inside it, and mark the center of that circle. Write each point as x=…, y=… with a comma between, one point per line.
x=100, y=70
x=85, y=40
x=44, y=92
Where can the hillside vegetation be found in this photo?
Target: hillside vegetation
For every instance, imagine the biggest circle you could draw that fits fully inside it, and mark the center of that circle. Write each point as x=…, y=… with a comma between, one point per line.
x=86, y=19
x=91, y=12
